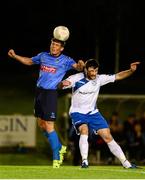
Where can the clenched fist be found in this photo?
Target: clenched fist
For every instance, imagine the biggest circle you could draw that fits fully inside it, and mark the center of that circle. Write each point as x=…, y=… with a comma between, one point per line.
x=11, y=53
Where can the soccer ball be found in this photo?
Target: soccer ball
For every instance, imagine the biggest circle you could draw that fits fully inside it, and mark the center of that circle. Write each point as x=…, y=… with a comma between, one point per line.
x=61, y=33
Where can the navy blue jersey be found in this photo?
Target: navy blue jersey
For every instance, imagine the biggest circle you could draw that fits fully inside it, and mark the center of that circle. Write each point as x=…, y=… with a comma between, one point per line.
x=52, y=69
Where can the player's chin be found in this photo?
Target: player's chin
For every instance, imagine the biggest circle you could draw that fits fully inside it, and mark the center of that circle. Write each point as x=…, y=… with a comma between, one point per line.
x=93, y=77
x=54, y=53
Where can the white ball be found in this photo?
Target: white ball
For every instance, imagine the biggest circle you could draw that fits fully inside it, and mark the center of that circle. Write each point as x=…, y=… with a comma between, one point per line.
x=61, y=33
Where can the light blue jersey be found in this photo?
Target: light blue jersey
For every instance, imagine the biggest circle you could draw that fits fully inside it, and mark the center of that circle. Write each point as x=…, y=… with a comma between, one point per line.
x=52, y=69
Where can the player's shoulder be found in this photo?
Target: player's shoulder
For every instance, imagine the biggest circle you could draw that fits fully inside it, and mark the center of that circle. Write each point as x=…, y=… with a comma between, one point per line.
x=46, y=53
x=42, y=53
x=77, y=76
x=66, y=57
x=104, y=75
x=101, y=77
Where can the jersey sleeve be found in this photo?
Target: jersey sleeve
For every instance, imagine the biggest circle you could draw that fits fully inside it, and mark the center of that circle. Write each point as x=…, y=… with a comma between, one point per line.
x=72, y=79
x=105, y=79
x=69, y=63
x=36, y=59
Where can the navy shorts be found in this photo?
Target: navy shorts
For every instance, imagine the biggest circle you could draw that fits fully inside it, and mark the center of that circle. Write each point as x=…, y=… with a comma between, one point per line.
x=45, y=106
x=94, y=121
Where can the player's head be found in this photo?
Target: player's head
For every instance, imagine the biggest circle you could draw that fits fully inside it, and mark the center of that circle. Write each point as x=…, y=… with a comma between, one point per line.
x=91, y=68
x=56, y=47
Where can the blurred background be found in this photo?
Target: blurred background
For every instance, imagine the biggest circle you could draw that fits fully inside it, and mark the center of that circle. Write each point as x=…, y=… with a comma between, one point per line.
x=112, y=31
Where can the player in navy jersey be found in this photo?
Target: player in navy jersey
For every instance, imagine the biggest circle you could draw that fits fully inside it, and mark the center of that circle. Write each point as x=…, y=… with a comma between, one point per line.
x=84, y=112
x=53, y=67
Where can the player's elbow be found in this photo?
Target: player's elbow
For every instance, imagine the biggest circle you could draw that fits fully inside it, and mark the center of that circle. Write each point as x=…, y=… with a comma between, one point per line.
x=28, y=62
x=118, y=77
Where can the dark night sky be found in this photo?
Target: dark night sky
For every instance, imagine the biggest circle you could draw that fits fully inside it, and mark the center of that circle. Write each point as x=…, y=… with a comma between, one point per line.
x=26, y=26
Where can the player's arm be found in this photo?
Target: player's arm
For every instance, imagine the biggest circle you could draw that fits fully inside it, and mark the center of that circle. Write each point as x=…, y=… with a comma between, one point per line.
x=69, y=82
x=79, y=66
x=23, y=60
x=64, y=84
x=124, y=74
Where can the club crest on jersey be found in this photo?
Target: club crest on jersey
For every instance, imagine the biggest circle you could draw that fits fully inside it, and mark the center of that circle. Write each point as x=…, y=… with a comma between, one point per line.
x=52, y=115
x=48, y=69
x=94, y=83
x=56, y=60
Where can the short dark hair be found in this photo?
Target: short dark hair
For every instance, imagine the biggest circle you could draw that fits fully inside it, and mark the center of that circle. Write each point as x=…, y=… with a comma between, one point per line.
x=92, y=63
x=57, y=40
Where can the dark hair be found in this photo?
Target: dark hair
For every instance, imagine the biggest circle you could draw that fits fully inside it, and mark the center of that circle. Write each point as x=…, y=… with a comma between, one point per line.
x=92, y=63
x=57, y=40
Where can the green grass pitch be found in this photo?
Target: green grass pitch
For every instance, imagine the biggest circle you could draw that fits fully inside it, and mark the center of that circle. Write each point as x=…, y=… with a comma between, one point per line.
x=70, y=172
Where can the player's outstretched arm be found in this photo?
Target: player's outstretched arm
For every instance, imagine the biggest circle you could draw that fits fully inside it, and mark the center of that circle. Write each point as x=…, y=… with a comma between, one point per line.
x=79, y=66
x=124, y=74
x=23, y=60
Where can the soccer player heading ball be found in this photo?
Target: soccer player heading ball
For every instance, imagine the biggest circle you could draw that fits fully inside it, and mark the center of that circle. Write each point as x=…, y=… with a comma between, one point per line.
x=53, y=66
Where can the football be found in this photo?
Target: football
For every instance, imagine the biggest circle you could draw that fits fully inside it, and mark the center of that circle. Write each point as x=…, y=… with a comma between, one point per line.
x=61, y=33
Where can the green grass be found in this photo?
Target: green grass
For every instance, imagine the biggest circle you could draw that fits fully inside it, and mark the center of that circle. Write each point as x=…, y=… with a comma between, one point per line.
x=70, y=172
x=27, y=159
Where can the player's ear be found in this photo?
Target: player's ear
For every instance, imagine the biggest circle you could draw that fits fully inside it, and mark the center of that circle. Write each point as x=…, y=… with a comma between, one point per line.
x=62, y=48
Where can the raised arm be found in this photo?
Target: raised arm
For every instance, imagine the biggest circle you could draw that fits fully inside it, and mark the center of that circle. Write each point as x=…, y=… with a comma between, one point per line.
x=79, y=66
x=124, y=74
x=23, y=60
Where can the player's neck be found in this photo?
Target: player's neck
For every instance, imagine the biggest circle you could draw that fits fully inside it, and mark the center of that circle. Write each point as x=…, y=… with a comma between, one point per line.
x=55, y=55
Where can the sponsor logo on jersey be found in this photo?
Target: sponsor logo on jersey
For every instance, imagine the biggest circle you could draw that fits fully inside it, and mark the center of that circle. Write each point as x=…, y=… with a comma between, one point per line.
x=48, y=69
x=89, y=92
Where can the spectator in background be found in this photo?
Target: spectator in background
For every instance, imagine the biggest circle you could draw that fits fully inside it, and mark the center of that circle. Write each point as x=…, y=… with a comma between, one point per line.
x=74, y=146
x=137, y=145
x=142, y=123
x=116, y=128
x=132, y=133
x=129, y=123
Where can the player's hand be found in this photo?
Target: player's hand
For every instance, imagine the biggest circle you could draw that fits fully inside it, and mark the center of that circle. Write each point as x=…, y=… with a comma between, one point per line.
x=66, y=83
x=133, y=66
x=11, y=53
x=81, y=64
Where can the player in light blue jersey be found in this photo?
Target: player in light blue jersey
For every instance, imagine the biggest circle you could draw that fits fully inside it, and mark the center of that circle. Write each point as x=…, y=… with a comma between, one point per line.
x=84, y=113
x=53, y=67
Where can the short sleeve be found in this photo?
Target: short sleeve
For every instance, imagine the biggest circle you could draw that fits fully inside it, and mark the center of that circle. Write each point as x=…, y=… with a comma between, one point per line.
x=69, y=63
x=73, y=79
x=105, y=79
x=36, y=59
